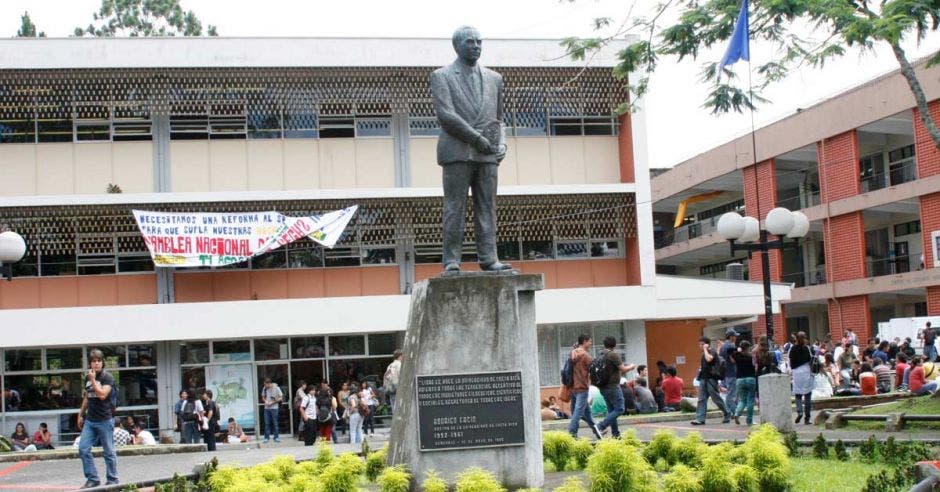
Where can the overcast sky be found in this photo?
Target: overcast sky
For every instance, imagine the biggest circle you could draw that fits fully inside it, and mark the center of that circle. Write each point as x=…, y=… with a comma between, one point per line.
x=678, y=127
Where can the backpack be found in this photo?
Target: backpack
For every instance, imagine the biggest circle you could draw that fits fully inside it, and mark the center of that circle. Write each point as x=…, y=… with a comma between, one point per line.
x=113, y=398
x=189, y=412
x=364, y=409
x=324, y=407
x=598, y=371
x=567, y=373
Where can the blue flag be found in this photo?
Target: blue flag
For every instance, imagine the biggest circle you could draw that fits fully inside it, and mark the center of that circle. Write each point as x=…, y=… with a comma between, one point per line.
x=740, y=48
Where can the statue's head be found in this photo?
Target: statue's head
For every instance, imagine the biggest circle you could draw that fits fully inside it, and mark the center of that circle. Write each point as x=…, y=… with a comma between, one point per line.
x=468, y=44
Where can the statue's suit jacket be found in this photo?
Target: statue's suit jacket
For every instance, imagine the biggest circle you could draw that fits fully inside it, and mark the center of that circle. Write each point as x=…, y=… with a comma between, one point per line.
x=461, y=116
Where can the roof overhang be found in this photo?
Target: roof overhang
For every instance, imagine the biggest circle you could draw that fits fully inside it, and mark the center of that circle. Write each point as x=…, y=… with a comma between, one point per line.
x=232, y=52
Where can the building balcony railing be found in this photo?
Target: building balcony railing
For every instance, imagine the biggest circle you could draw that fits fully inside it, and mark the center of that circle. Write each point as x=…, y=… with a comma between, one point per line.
x=687, y=232
x=801, y=201
x=898, y=173
x=811, y=276
x=892, y=265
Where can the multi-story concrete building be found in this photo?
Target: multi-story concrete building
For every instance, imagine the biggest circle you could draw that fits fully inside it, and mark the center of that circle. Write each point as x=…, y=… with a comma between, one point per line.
x=863, y=168
x=303, y=126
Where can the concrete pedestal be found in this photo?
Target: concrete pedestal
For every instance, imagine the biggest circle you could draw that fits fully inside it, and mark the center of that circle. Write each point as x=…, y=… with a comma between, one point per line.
x=471, y=323
x=775, y=407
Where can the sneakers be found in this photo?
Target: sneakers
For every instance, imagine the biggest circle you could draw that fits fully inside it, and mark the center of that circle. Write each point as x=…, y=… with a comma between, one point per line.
x=737, y=420
x=596, y=429
x=799, y=417
x=277, y=439
x=112, y=482
x=697, y=422
x=90, y=484
x=265, y=441
x=726, y=420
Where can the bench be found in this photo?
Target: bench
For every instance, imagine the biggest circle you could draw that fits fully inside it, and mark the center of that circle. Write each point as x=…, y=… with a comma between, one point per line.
x=894, y=422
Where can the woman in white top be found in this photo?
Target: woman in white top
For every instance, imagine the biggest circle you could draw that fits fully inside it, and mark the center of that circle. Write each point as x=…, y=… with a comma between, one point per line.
x=368, y=397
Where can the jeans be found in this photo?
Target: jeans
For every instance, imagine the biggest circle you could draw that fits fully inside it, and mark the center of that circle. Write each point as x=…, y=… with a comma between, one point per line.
x=189, y=433
x=355, y=428
x=98, y=432
x=930, y=353
x=270, y=422
x=745, y=389
x=581, y=411
x=927, y=388
x=804, y=405
x=614, y=398
x=731, y=397
x=391, y=403
x=907, y=376
x=709, y=388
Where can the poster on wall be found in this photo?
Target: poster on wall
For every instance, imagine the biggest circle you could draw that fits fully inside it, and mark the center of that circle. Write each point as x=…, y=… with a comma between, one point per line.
x=218, y=239
x=231, y=386
x=935, y=246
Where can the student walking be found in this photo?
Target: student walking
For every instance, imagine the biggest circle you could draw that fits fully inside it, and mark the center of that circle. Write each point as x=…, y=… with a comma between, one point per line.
x=581, y=359
x=746, y=383
x=95, y=419
x=708, y=376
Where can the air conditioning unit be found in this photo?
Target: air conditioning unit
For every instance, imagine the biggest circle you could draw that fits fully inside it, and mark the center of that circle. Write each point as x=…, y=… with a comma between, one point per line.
x=734, y=271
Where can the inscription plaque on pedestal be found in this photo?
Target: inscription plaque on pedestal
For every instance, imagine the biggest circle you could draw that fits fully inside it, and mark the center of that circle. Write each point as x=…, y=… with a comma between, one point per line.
x=470, y=410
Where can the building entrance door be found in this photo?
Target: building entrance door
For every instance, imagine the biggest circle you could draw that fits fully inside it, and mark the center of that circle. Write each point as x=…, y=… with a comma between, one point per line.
x=279, y=374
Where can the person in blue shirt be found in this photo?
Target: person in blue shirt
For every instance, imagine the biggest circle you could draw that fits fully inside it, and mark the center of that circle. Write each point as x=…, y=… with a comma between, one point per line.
x=881, y=352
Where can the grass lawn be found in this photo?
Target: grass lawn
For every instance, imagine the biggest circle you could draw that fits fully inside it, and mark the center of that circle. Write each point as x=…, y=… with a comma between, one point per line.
x=923, y=405
x=811, y=474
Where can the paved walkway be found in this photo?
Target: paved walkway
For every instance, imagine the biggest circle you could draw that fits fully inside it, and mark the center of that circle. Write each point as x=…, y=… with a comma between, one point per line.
x=66, y=475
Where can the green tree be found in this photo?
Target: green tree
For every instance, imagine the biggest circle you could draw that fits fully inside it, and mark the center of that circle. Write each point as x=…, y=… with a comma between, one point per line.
x=28, y=29
x=143, y=18
x=799, y=33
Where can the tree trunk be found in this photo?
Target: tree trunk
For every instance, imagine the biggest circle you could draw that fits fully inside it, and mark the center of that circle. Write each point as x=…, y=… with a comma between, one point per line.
x=908, y=71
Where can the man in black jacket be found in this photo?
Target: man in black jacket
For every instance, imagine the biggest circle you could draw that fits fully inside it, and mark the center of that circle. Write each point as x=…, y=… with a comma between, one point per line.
x=708, y=376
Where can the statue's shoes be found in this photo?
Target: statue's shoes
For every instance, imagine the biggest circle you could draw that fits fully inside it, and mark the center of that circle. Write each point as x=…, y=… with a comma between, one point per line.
x=495, y=267
x=452, y=267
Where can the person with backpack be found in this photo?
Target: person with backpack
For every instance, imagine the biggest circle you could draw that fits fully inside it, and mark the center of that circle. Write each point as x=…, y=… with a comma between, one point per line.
x=930, y=337
x=729, y=378
x=211, y=412
x=605, y=372
x=190, y=415
x=326, y=406
x=576, y=372
x=801, y=358
x=95, y=421
x=353, y=415
x=708, y=375
x=308, y=415
x=271, y=397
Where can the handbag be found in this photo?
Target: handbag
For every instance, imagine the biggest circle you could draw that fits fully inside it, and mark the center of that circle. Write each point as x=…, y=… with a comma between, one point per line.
x=564, y=394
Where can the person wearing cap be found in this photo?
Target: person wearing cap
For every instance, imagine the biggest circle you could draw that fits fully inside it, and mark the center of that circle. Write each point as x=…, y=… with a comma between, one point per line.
x=730, y=376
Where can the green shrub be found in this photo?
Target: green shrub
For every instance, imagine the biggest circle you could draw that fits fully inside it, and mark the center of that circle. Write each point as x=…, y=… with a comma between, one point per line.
x=766, y=454
x=616, y=466
x=581, y=450
x=841, y=453
x=342, y=474
x=475, y=479
x=311, y=469
x=375, y=463
x=820, y=447
x=745, y=478
x=433, y=482
x=689, y=451
x=792, y=443
x=557, y=448
x=869, y=449
x=394, y=479
x=301, y=482
x=663, y=446
x=571, y=484
x=716, y=468
x=661, y=465
x=682, y=479
x=324, y=454
x=224, y=477
x=629, y=438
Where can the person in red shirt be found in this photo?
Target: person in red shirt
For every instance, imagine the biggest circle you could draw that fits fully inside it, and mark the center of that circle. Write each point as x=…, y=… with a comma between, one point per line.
x=918, y=383
x=672, y=388
x=868, y=381
x=900, y=369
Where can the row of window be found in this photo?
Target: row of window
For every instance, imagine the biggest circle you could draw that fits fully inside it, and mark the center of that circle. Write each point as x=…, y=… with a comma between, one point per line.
x=271, y=349
x=268, y=125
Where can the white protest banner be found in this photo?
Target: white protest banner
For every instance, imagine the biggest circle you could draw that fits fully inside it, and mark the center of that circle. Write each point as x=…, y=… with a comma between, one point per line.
x=217, y=239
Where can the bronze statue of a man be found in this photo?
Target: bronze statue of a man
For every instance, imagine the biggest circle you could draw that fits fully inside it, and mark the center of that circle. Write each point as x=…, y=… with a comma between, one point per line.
x=468, y=102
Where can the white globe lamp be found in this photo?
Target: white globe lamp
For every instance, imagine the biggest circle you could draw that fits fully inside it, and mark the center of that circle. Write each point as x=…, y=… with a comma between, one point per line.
x=800, y=225
x=751, y=230
x=12, y=247
x=731, y=225
x=779, y=221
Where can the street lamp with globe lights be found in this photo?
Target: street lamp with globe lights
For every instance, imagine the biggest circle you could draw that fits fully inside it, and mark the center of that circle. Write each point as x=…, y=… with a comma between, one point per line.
x=745, y=234
x=12, y=250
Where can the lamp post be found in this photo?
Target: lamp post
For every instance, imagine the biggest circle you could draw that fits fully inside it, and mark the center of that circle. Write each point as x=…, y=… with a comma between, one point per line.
x=12, y=250
x=745, y=234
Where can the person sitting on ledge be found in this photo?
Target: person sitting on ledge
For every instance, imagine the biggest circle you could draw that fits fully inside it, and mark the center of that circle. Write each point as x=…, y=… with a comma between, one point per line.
x=235, y=432
x=547, y=413
x=555, y=407
x=918, y=383
x=42, y=438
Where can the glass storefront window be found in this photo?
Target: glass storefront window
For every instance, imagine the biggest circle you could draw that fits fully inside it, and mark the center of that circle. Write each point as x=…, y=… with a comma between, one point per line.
x=194, y=352
x=383, y=343
x=271, y=349
x=572, y=249
x=600, y=249
x=193, y=379
x=24, y=360
x=348, y=345
x=63, y=358
x=114, y=356
x=308, y=347
x=43, y=392
x=142, y=355
x=378, y=256
x=359, y=370
x=508, y=250
x=236, y=350
x=136, y=387
x=537, y=250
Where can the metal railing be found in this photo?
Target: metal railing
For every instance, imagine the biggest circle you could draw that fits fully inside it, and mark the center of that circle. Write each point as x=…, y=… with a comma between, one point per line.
x=687, y=232
x=812, y=276
x=892, y=265
x=801, y=201
x=899, y=174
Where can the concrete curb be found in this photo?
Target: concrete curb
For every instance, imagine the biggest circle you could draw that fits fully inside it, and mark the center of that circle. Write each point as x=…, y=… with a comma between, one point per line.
x=71, y=453
x=638, y=419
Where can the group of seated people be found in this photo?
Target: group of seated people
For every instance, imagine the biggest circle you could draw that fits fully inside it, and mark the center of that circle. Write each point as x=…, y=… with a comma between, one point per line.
x=128, y=431
x=880, y=367
x=41, y=439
